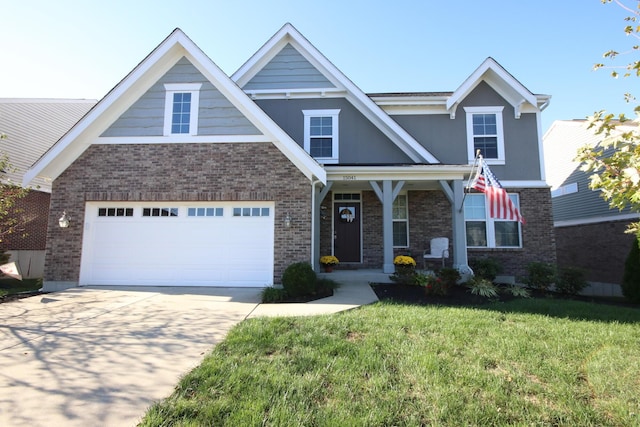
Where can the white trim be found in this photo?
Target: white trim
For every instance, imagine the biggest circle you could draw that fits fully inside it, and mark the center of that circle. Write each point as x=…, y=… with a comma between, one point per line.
x=295, y=93
x=288, y=34
x=490, y=224
x=335, y=133
x=172, y=89
x=497, y=110
x=181, y=139
x=136, y=83
x=595, y=220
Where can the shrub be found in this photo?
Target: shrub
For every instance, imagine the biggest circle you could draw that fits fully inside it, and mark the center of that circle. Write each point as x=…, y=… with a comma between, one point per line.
x=571, y=281
x=486, y=268
x=405, y=270
x=518, y=291
x=449, y=276
x=483, y=287
x=540, y=276
x=271, y=294
x=299, y=279
x=433, y=285
x=631, y=276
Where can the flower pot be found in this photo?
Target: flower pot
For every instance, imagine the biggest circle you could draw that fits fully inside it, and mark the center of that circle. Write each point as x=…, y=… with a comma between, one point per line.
x=328, y=268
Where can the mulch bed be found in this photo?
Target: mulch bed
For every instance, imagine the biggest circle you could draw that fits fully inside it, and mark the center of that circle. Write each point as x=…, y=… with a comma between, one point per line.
x=460, y=296
x=15, y=297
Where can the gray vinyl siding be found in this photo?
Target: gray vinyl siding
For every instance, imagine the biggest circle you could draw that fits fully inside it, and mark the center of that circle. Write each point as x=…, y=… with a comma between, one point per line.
x=216, y=115
x=360, y=141
x=584, y=204
x=288, y=70
x=446, y=139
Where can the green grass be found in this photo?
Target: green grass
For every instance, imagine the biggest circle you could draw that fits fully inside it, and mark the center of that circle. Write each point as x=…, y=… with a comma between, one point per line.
x=527, y=362
x=15, y=286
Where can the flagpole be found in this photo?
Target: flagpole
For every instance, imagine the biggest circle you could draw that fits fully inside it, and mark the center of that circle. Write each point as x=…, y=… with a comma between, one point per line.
x=471, y=176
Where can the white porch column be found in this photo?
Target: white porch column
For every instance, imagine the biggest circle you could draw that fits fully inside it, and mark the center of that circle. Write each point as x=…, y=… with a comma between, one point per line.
x=317, y=198
x=387, y=195
x=455, y=193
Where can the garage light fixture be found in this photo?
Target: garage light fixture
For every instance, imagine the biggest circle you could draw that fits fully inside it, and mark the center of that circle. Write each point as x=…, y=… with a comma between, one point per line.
x=64, y=220
x=287, y=221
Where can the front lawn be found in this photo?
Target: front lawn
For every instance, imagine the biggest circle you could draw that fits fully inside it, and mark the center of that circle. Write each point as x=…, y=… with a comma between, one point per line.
x=525, y=362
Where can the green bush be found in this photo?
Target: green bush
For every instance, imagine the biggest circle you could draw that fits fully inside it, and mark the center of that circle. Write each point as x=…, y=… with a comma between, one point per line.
x=271, y=295
x=299, y=279
x=449, y=276
x=486, y=268
x=540, y=276
x=631, y=277
x=571, y=281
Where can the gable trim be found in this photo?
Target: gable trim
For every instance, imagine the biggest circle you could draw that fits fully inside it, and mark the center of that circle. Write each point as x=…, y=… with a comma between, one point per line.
x=289, y=35
x=158, y=62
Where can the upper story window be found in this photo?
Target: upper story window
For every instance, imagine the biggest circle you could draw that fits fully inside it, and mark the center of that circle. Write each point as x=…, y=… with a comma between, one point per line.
x=485, y=133
x=181, y=108
x=321, y=134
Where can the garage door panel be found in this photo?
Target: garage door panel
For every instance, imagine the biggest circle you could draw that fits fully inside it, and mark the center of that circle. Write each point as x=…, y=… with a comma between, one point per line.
x=178, y=251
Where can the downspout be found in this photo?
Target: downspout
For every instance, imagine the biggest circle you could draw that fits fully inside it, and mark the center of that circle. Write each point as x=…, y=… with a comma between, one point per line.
x=313, y=222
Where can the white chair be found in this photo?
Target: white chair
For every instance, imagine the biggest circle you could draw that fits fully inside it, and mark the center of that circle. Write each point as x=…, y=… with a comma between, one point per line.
x=439, y=250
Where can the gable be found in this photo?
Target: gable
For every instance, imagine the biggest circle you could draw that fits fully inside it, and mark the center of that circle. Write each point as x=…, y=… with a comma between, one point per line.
x=128, y=96
x=288, y=70
x=216, y=115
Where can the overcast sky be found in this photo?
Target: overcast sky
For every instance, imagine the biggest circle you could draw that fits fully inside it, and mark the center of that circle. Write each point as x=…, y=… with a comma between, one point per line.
x=81, y=49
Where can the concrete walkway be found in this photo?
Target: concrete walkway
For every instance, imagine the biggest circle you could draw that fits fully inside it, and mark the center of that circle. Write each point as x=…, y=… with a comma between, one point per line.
x=101, y=357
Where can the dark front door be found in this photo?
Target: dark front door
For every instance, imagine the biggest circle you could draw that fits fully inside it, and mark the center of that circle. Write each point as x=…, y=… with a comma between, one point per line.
x=346, y=231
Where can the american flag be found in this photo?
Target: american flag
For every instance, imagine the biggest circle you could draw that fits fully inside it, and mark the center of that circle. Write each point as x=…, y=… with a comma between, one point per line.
x=500, y=205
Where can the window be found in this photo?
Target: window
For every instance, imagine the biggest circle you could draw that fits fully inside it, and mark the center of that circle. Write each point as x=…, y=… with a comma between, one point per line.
x=205, y=211
x=564, y=190
x=485, y=232
x=400, y=222
x=160, y=212
x=115, y=211
x=181, y=109
x=484, y=133
x=250, y=211
x=321, y=134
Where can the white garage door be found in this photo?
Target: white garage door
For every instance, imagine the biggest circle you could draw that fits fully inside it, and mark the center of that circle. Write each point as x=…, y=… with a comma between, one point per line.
x=178, y=244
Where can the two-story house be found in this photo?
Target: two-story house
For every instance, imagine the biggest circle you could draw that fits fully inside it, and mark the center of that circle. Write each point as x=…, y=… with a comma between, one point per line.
x=590, y=235
x=182, y=175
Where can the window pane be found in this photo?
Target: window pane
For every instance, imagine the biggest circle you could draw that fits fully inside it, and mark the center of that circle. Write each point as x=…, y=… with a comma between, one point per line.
x=191, y=212
x=474, y=207
x=488, y=146
x=255, y=212
x=507, y=233
x=400, y=207
x=400, y=233
x=237, y=212
x=321, y=147
x=246, y=211
x=218, y=211
x=476, y=233
x=201, y=211
x=265, y=211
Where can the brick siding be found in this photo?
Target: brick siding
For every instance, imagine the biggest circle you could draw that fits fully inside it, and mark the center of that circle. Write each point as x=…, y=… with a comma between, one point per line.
x=430, y=216
x=179, y=172
x=33, y=210
x=601, y=249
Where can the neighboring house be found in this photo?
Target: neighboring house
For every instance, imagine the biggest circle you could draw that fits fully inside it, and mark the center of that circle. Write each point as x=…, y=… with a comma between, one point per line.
x=184, y=176
x=589, y=234
x=31, y=127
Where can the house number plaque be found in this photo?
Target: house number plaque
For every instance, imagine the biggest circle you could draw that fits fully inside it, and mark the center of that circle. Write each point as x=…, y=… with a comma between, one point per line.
x=348, y=177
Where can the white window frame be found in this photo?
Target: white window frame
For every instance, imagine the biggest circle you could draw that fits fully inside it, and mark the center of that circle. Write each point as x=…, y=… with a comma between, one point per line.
x=335, y=143
x=405, y=219
x=497, y=110
x=491, y=223
x=170, y=90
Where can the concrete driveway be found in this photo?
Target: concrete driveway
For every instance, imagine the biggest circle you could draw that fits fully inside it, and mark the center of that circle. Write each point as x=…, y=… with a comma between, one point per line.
x=86, y=357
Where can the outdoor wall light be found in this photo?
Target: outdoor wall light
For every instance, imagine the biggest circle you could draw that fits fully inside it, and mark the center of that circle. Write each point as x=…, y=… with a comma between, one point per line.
x=287, y=221
x=64, y=220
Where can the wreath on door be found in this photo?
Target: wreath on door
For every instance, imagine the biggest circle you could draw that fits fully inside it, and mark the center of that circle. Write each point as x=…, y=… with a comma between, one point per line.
x=347, y=214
